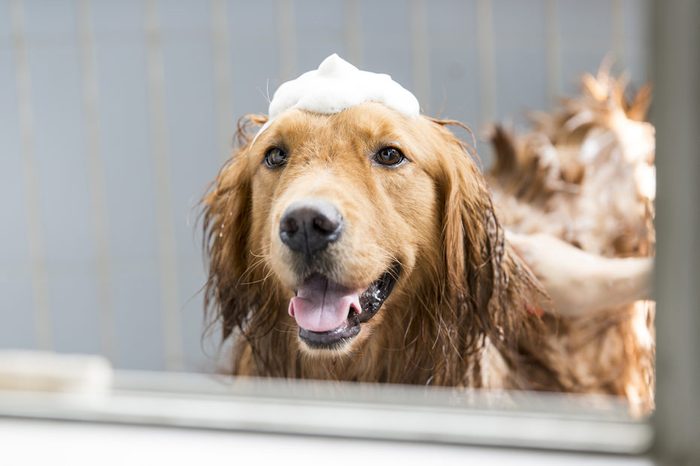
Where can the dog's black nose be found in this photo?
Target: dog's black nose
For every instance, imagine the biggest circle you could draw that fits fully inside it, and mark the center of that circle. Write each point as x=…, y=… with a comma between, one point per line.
x=310, y=225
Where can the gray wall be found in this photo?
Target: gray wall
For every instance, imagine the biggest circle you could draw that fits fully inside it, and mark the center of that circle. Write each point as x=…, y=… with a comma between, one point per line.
x=114, y=116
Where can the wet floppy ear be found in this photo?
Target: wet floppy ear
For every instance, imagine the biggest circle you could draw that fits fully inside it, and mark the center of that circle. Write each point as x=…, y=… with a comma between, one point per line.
x=492, y=294
x=488, y=283
x=467, y=214
x=226, y=222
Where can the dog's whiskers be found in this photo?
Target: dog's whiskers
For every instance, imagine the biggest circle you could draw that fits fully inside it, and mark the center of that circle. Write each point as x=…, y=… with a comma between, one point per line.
x=251, y=268
x=394, y=260
x=261, y=259
x=262, y=280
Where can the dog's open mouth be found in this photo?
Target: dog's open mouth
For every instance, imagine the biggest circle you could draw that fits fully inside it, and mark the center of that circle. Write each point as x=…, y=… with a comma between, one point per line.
x=329, y=314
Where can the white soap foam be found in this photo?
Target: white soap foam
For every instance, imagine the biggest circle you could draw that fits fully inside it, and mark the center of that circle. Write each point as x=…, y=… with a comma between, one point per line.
x=337, y=85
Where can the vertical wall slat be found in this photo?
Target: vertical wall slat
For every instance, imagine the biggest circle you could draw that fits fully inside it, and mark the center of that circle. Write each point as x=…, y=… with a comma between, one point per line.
x=320, y=34
x=167, y=248
x=553, y=52
x=487, y=71
x=18, y=285
x=63, y=180
x=191, y=119
x=42, y=312
x=637, y=40
x=585, y=37
x=95, y=166
x=121, y=70
x=255, y=62
x=353, y=34
x=617, y=46
x=420, y=45
x=223, y=82
x=387, y=39
x=520, y=59
x=453, y=60
x=287, y=37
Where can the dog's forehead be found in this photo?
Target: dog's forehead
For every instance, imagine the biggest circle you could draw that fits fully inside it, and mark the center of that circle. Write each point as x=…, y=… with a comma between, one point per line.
x=370, y=122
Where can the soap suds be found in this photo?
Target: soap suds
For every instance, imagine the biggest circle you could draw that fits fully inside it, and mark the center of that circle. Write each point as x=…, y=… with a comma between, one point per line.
x=337, y=85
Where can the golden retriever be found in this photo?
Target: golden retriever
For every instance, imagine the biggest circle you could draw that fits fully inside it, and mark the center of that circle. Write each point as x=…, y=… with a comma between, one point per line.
x=364, y=246
x=382, y=224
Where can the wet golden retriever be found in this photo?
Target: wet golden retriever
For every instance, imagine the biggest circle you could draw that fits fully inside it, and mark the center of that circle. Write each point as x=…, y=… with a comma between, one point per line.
x=363, y=246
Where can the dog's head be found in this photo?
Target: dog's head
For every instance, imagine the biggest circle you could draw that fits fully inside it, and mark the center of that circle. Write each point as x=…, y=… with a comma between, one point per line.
x=345, y=226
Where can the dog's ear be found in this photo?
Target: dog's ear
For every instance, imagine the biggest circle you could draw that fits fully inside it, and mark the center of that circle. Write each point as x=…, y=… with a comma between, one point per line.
x=247, y=127
x=473, y=244
x=226, y=222
x=492, y=292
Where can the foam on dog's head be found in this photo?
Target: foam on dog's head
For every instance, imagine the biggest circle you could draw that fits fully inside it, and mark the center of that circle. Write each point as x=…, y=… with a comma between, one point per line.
x=337, y=85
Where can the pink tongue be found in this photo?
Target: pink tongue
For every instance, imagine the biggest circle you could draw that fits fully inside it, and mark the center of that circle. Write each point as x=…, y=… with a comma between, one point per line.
x=321, y=305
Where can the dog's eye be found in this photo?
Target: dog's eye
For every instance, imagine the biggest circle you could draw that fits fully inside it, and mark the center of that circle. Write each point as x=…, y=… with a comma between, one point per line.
x=389, y=156
x=275, y=157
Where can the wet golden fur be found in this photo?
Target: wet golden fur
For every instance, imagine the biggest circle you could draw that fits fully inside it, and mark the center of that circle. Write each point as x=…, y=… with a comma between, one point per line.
x=463, y=312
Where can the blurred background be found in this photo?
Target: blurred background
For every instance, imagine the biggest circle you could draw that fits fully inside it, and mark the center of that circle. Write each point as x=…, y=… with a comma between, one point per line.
x=115, y=116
